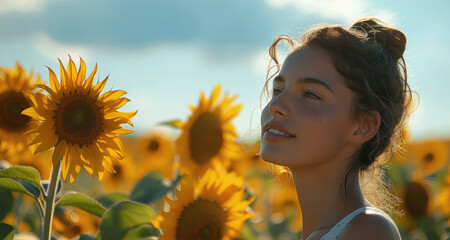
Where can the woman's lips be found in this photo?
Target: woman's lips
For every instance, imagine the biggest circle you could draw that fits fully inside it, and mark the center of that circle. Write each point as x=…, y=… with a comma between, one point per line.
x=274, y=137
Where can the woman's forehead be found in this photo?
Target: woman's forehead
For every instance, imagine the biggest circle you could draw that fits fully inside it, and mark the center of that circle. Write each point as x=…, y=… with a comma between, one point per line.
x=311, y=62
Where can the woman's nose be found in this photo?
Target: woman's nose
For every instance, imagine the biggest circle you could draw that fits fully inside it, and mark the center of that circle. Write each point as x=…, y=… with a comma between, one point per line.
x=278, y=106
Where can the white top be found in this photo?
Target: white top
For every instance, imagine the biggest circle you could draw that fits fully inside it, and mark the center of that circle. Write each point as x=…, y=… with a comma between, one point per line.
x=334, y=233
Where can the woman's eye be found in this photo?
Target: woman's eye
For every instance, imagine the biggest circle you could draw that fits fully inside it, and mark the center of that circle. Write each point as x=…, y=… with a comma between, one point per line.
x=275, y=92
x=313, y=94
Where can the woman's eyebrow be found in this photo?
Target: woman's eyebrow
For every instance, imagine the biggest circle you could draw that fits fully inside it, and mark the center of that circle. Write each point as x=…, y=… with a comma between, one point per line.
x=314, y=80
x=306, y=80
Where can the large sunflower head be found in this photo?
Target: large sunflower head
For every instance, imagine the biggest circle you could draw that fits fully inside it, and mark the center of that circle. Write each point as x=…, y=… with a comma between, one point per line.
x=214, y=208
x=14, y=83
x=207, y=138
x=79, y=122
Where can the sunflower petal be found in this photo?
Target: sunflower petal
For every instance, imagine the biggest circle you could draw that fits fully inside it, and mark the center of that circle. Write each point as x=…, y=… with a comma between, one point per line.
x=31, y=112
x=95, y=91
x=54, y=84
x=90, y=79
x=81, y=73
x=72, y=70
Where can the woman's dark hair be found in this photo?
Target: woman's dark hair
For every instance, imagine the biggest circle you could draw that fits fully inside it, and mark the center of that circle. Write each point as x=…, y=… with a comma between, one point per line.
x=370, y=56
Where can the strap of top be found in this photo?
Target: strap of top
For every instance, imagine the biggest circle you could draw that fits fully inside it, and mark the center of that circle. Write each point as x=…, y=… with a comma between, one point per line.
x=334, y=233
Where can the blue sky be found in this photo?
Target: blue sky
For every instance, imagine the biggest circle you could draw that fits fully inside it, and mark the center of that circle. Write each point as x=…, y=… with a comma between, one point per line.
x=163, y=52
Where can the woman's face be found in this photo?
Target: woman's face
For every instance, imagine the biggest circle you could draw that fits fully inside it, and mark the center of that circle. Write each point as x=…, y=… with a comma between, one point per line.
x=311, y=107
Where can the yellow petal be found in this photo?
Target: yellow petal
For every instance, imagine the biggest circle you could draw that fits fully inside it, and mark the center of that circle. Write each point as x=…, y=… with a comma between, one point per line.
x=71, y=69
x=31, y=112
x=90, y=79
x=81, y=73
x=54, y=84
x=95, y=91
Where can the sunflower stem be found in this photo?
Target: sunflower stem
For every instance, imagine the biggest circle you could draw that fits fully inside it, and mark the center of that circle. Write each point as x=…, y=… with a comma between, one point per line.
x=40, y=205
x=50, y=201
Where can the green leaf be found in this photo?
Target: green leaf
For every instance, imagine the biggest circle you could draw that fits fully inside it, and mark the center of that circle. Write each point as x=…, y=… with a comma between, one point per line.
x=145, y=231
x=82, y=202
x=6, y=203
x=152, y=187
x=86, y=237
x=25, y=173
x=124, y=217
x=6, y=231
x=110, y=198
x=12, y=185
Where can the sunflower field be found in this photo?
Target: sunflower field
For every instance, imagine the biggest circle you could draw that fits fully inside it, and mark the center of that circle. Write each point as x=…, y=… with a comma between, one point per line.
x=69, y=170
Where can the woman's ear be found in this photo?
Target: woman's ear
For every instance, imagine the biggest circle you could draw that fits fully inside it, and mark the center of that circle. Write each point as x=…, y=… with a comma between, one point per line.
x=366, y=127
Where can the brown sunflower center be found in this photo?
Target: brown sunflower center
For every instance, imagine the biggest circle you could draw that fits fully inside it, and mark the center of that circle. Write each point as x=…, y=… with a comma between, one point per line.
x=12, y=103
x=429, y=157
x=206, y=138
x=78, y=120
x=153, y=146
x=416, y=199
x=201, y=219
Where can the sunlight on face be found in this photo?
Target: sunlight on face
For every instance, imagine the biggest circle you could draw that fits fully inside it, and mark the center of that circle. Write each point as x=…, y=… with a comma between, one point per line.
x=311, y=107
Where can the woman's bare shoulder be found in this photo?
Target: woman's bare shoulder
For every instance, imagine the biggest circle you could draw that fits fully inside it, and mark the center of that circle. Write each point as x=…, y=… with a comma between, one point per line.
x=370, y=226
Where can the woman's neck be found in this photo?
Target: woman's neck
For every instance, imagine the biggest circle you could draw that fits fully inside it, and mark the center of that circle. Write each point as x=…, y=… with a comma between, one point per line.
x=322, y=197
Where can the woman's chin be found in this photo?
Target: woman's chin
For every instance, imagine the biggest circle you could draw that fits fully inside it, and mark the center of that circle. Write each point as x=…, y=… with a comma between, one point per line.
x=273, y=158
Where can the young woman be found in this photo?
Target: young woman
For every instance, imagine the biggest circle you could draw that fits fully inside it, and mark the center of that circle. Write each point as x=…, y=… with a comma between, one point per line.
x=337, y=112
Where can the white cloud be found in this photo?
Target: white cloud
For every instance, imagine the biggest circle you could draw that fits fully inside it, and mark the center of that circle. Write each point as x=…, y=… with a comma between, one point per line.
x=53, y=49
x=260, y=61
x=347, y=11
x=21, y=5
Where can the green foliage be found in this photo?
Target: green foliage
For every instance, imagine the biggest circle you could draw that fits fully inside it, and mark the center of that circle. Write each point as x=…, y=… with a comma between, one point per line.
x=19, y=186
x=24, y=173
x=145, y=231
x=82, y=202
x=152, y=187
x=110, y=198
x=6, y=231
x=86, y=237
x=6, y=203
x=126, y=220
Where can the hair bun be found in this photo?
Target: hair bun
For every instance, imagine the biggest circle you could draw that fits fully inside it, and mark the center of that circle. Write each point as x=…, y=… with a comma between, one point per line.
x=392, y=39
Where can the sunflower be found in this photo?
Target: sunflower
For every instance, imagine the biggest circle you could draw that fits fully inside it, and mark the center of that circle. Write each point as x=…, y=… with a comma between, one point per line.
x=212, y=209
x=14, y=83
x=417, y=202
x=207, y=138
x=126, y=175
x=156, y=151
x=80, y=124
x=429, y=156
